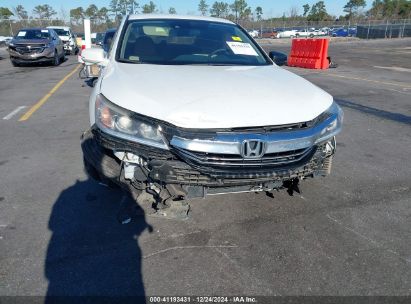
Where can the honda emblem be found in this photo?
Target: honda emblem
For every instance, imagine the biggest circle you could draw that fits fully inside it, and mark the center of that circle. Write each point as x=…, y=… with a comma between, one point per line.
x=253, y=148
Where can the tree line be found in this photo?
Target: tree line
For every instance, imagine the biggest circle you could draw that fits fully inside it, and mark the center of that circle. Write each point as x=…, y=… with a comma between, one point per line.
x=239, y=10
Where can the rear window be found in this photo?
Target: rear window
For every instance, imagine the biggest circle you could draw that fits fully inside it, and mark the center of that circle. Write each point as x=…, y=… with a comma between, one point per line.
x=62, y=32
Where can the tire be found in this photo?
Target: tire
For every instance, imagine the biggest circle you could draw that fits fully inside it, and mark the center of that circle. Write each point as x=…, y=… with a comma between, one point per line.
x=98, y=165
x=56, y=59
x=15, y=64
x=63, y=57
x=311, y=36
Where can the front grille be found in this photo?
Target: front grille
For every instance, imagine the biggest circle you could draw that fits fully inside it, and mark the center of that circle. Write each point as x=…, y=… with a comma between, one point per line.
x=178, y=172
x=236, y=161
x=29, y=50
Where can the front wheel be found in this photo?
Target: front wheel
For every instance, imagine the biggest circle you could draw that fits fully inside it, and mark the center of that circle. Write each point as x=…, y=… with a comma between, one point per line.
x=14, y=63
x=56, y=59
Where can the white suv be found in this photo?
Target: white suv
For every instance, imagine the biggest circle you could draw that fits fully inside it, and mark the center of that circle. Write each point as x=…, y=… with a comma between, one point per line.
x=187, y=107
x=69, y=40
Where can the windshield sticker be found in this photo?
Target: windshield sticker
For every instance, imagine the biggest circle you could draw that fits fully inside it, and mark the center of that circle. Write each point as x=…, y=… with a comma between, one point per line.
x=239, y=48
x=21, y=34
x=236, y=38
x=44, y=31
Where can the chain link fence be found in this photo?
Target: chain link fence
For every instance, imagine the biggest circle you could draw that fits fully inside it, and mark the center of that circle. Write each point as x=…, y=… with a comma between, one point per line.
x=367, y=29
x=389, y=29
x=10, y=27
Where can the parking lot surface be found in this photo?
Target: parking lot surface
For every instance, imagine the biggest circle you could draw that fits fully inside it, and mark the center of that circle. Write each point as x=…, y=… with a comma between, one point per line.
x=348, y=234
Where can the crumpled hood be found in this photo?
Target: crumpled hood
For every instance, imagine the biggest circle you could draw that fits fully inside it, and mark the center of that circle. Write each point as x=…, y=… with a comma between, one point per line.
x=64, y=38
x=192, y=96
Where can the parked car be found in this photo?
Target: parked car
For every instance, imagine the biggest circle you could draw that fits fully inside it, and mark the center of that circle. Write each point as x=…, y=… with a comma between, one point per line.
x=187, y=107
x=268, y=33
x=278, y=57
x=68, y=38
x=305, y=33
x=34, y=45
x=8, y=40
x=253, y=33
x=80, y=39
x=320, y=33
x=5, y=40
x=343, y=32
x=99, y=39
x=287, y=34
x=108, y=39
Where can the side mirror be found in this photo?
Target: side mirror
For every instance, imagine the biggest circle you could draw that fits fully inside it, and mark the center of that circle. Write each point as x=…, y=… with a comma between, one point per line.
x=278, y=57
x=94, y=56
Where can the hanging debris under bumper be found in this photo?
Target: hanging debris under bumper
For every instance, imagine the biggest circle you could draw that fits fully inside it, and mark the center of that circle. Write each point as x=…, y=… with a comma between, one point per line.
x=170, y=174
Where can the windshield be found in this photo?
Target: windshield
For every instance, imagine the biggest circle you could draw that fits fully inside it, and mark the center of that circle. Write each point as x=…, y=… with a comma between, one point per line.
x=33, y=34
x=61, y=32
x=187, y=42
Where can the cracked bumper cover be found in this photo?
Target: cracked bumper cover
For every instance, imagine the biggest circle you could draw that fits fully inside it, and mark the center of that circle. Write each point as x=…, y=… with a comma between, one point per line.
x=166, y=167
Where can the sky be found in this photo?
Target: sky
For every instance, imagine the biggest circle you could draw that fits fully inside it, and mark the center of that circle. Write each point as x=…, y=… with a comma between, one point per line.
x=271, y=8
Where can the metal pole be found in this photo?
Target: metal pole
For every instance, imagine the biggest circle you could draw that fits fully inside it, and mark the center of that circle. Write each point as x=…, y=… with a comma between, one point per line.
x=11, y=28
x=403, y=30
x=386, y=28
x=368, y=32
x=261, y=30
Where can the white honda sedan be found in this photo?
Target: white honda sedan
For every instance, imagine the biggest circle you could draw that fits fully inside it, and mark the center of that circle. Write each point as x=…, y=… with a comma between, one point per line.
x=187, y=107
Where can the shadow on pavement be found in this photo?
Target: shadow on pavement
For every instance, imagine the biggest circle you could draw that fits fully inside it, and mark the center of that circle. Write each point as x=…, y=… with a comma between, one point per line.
x=90, y=253
x=397, y=117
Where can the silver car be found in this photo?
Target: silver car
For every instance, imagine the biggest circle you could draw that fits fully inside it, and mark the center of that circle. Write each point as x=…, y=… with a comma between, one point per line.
x=35, y=45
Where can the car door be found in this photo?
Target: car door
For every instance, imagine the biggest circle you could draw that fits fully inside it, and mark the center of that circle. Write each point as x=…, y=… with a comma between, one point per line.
x=57, y=42
x=61, y=45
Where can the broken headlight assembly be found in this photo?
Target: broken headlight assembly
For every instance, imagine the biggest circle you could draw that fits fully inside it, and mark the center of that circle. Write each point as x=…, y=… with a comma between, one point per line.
x=331, y=123
x=121, y=123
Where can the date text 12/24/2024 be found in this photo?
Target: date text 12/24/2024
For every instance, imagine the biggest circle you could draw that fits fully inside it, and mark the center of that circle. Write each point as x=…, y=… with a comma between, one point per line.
x=202, y=299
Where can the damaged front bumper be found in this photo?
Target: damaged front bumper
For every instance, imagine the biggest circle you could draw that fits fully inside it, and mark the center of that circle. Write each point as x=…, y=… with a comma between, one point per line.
x=179, y=173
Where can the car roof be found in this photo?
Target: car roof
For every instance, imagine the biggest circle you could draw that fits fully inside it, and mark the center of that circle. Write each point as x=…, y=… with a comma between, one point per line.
x=58, y=27
x=34, y=28
x=178, y=17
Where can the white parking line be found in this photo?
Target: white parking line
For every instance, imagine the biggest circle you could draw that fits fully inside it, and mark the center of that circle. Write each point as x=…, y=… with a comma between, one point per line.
x=14, y=112
x=393, y=68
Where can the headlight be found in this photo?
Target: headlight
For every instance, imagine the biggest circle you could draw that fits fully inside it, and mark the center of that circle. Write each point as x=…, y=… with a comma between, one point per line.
x=121, y=123
x=331, y=123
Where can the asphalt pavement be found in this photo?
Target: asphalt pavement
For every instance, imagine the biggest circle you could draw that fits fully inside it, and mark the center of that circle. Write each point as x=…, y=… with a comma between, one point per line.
x=347, y=234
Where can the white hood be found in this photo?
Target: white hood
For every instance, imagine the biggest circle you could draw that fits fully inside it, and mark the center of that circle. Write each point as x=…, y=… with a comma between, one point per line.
x=64, y=38
x=214, y=96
